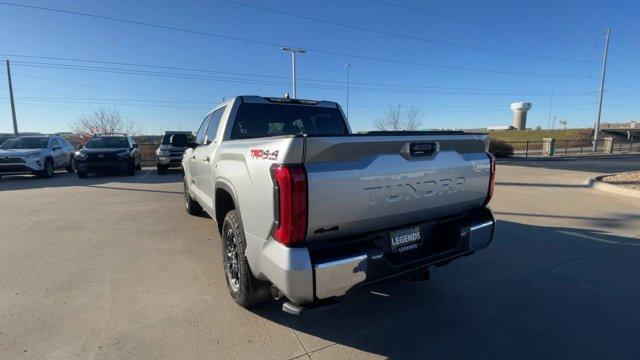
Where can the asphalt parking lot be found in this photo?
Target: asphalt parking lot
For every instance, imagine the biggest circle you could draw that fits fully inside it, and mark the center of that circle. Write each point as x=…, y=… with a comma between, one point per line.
x=113, y=267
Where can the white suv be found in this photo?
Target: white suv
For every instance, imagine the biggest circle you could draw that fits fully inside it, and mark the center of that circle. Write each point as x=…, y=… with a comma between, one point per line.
x=36, y=154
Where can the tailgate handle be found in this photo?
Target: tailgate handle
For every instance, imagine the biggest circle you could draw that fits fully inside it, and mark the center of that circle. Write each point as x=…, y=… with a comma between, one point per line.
x=421, y=149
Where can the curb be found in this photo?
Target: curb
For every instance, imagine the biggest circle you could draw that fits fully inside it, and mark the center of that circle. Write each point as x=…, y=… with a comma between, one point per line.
x=597, y=184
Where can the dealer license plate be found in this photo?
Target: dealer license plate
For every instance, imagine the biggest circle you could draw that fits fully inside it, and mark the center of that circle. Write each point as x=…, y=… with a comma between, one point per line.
x=405, y=239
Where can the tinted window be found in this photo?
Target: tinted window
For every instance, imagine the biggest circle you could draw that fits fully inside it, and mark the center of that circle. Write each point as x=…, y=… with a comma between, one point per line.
x=181, y=140
x=105, y=142
x=212, y=130
x=262, y=120
x=26, y=143
x=55, y=143
x=201, y=131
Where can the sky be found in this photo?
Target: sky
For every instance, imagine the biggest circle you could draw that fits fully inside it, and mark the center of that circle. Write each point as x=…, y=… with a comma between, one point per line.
x=462, y=63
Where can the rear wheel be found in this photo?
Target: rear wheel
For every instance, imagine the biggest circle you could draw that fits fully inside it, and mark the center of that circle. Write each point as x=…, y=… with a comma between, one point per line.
x=47, y=172
x=162, y=169
x=192, y=206
x=245, y=289
x=82, y=174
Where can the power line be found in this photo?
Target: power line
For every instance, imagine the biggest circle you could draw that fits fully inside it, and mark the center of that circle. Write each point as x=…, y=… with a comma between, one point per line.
x=267, y=43
x=488, y=26
x=403, y=36
x=446, y=91
x=208, y=71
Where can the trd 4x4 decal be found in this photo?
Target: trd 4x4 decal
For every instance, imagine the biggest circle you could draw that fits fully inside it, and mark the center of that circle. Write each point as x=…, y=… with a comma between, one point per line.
x=264, y=154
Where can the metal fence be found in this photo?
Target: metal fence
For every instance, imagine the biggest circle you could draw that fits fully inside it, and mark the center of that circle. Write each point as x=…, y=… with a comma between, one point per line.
x=148, y=153
x=536, y=148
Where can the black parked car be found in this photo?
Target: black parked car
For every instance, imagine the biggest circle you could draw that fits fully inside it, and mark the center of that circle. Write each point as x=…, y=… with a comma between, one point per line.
x=108, y=153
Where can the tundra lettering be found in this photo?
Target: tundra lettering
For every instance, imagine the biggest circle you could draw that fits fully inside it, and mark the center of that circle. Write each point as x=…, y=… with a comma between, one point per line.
x=416, y=190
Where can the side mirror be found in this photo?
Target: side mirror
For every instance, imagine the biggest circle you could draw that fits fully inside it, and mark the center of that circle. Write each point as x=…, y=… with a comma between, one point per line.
x=135, y=146
x=56, y=148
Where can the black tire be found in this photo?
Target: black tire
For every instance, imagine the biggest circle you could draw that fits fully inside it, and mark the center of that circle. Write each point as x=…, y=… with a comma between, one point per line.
x=192, y=206
x=82, y=174
x=245, y=289
x=138, y=167
x=131, y=170
x=70, y=168
x=162, y=169
x=48, y=169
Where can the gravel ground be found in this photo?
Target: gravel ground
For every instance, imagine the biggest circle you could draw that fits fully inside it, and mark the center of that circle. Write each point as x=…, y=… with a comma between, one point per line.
x=629, y=180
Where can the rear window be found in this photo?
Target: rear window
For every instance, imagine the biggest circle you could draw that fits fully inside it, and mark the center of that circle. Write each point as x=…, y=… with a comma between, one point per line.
x=264, y=120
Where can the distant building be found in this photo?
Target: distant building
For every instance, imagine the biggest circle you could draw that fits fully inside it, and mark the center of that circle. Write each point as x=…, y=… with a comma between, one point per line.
x=500, y=127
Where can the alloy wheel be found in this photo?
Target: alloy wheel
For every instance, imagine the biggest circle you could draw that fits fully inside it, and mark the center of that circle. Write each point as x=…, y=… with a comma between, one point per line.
x=231, y=259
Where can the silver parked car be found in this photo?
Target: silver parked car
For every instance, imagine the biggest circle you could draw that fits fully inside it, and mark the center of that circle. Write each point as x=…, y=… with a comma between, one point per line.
x=35, y=154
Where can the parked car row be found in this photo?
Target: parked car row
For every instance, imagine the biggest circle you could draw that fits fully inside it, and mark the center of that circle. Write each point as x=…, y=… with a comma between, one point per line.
x=41, y=155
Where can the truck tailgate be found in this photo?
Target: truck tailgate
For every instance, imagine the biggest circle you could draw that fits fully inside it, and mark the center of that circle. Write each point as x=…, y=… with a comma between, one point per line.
x=363, y=183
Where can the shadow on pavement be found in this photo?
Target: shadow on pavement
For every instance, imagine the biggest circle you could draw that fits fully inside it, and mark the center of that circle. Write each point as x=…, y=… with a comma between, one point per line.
x=536, y=292
x=65, y=179
x=602, y=164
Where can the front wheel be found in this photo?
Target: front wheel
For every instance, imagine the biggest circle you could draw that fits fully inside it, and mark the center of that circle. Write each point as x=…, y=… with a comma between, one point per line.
x=48, y=169
x=162, y=169
x=82, y=174
x=131, y=170
x=245, y=289
x=70, y=167
x=192, y=206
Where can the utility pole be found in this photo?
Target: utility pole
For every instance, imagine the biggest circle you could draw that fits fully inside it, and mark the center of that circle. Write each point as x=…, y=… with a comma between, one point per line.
x=13, y=106
x=348, y=69
x=604, y=71
x=293, y=52
x=553, y=85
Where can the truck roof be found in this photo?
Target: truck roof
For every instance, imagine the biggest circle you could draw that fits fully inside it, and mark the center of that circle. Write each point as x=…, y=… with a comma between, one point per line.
x=285, y=100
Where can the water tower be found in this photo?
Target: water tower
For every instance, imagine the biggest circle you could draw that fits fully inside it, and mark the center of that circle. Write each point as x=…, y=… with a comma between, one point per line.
x=520, y=110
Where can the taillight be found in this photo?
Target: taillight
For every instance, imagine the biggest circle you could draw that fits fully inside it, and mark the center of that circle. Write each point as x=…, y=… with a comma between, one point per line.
x=290, y=186
x=492, y=178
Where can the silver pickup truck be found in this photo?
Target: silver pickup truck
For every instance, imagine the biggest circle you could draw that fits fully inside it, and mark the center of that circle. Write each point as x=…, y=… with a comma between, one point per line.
x=309, y=211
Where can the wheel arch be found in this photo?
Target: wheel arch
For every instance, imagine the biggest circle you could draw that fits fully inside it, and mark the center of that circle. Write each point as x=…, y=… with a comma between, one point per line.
x=225, y=200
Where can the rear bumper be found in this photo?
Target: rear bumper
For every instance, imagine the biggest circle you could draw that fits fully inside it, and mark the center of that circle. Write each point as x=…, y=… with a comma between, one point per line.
x=326, y=270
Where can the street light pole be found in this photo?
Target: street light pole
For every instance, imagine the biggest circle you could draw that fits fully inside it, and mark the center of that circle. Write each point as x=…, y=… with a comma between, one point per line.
x=348, y=70
x=604, y=71
x=13, y=106
x=293, y=52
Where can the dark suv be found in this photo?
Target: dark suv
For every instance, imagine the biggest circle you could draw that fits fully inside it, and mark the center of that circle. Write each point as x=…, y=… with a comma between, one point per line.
x=108, y=153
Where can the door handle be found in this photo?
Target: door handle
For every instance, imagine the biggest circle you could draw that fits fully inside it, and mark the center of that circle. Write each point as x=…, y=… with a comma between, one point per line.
x=193, y=157
x=206, y=159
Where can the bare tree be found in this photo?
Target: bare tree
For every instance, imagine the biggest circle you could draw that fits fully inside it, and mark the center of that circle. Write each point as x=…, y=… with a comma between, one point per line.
x=103, y=122
x=394, y=121
x=412, y=120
